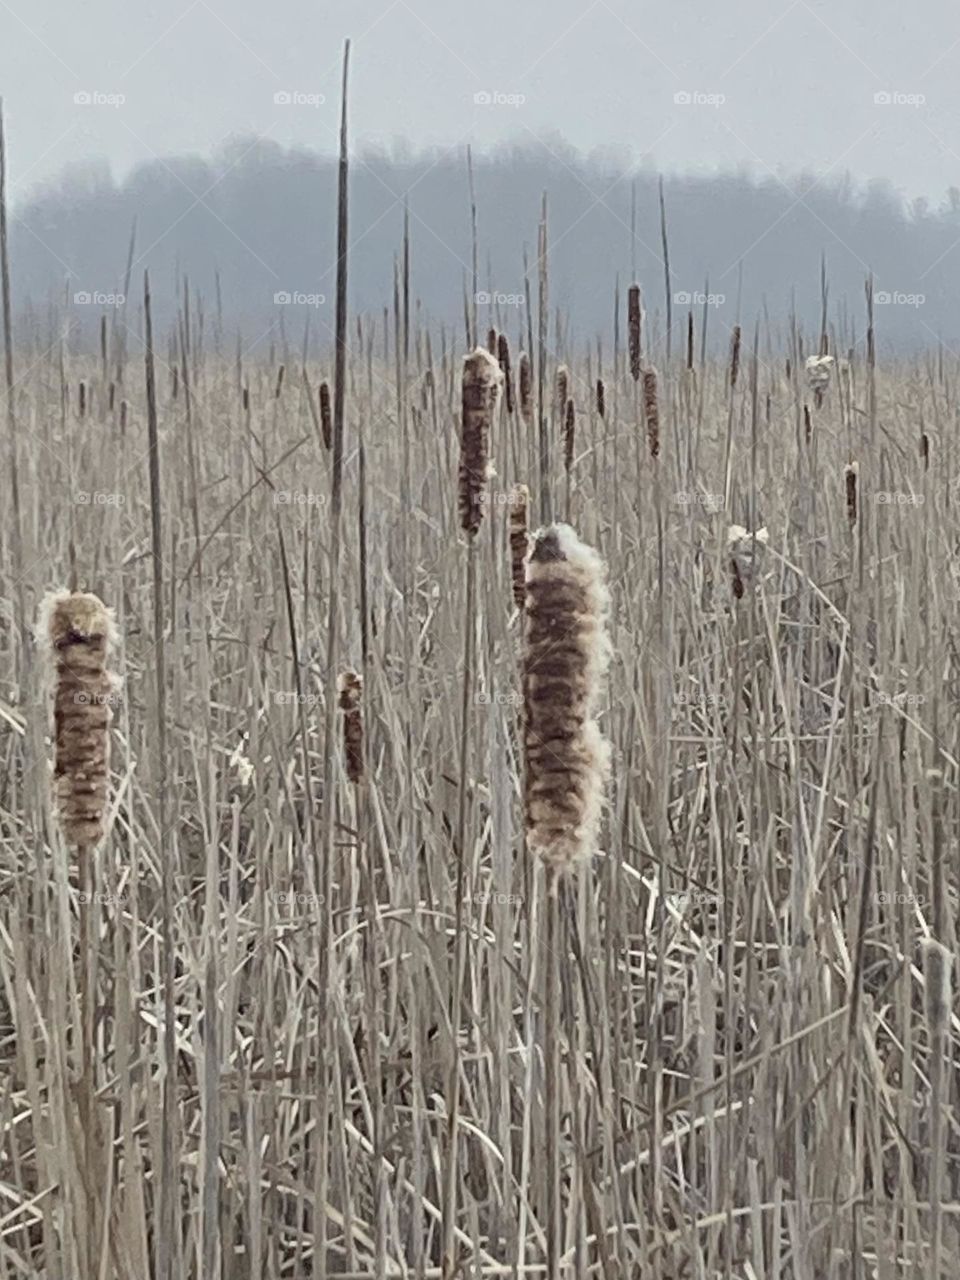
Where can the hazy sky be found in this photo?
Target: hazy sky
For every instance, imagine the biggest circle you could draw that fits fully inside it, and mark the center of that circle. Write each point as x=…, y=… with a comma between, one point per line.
x=776, y=85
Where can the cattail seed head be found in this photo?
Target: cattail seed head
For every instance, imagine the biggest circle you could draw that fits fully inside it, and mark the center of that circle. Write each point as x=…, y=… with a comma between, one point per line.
x=503, y=356
x=566, y=652
x=563, y=388
x=569, y=435
x=77, y=632
x=601, y=399
x=735, y=356
x=519, y=540
x=651, y=410
x=493, y=344
x=350, y=686
x=635, y=327
x=526, y=389
x=850, y=472
x=326, y=420
x=482, y=381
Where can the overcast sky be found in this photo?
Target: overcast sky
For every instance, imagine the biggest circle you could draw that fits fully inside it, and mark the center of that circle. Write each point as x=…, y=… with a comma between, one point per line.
x=774, y=85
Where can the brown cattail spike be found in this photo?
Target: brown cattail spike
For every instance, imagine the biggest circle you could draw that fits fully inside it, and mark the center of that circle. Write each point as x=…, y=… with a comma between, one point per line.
x=503, y=356
x=492, y=341
x=601, y=399
x=326, y=421
x=351, y=692
x=526, y=389
x=77, y=631
x=566, y=652
x=519, y=540
x=651, y=410
x=635, y=325
x=563, y=389
x=569, y=435
x=734, y=356
x=482, y=380
x=850, y=481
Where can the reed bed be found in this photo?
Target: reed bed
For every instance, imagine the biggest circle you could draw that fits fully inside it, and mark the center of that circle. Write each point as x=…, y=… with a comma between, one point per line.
x=754, y=1067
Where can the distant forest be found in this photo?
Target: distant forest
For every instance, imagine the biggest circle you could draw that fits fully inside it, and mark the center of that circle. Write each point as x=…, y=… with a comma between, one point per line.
x=252, y=231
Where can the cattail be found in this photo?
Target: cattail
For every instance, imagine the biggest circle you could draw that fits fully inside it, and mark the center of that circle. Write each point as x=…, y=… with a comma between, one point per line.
x=82, y=398
x=807, y=426
x=111, y=396
x=689, y=339
x=326, y=422
x=123, y=415
x=175, y=383
x=503, y=356
x=526, y=389
x=246, y=399
x=734, y=356
x=565, y=656
x=493, y=344
x=481, y=391
x=351, y=691
x=744, y=548
x=519, y=540
x=635, y=324
x=651, y=410
x=788, y=368
x=601, y=399
x=569, y=433
x=563, y=388
x=818, y=370
x=279, y=387
x=850, y=480
x=77, y=631
x=925, y=450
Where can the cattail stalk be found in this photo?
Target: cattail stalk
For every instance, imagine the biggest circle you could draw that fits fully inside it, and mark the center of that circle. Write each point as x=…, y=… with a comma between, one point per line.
x=567, y=760
x=937, y=973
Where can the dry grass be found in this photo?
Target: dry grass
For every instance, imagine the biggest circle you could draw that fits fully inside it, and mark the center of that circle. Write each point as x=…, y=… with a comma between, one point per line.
x=753, y=1079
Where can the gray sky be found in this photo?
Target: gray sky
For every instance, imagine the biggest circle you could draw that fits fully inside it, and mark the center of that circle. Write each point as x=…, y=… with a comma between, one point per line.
x=775, y=85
